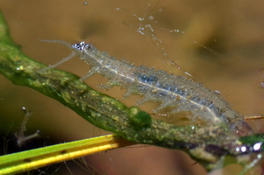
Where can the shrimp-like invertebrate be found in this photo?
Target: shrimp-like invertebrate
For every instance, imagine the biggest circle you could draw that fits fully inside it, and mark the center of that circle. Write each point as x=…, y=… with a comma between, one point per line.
x=178, y=92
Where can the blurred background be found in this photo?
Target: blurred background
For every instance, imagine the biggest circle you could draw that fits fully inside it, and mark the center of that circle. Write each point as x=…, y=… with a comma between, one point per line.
x=220, y=43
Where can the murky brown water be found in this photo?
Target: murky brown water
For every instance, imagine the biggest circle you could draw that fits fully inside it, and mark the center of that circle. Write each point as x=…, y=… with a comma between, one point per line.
x=219, y=42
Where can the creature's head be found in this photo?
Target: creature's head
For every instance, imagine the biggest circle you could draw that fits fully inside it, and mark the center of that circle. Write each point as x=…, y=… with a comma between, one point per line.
x=82, y=45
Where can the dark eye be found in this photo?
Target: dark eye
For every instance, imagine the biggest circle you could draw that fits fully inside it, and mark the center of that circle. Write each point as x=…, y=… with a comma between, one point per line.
x=80, y=46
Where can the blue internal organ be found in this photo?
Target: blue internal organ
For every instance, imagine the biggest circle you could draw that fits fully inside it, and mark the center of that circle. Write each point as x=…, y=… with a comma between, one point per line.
x=172, y=89
x=179, y=91
x=153, y=80
x=148, y=79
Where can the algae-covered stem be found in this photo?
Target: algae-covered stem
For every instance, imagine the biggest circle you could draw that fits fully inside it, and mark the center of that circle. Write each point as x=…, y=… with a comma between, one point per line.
x=104, y=111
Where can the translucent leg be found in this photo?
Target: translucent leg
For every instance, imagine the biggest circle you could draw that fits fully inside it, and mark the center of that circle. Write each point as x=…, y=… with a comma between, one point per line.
x=63, y=60
x=128, y=93
x=109, y=84
x=58, y=42
x=163, y=106
x=92, y=71
x=145, y=99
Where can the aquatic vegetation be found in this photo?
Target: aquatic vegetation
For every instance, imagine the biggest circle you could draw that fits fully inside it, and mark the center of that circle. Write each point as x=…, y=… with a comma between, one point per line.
x=218, y=144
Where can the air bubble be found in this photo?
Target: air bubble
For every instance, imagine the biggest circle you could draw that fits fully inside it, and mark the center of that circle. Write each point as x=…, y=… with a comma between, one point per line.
x=151, y=17
x=217, y=92
x=23, y=108
x=141, y=30
x=165, y=54
x=117, y=9
x=262, y=84
x=85, y=3
x=188, y=74
x=150, y=27
x=141, y=18
x=175, y=30
x=259, y=156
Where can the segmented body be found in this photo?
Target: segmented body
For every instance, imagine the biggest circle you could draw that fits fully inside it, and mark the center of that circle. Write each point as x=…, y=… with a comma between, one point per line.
x=223, y=125
x=178, y=92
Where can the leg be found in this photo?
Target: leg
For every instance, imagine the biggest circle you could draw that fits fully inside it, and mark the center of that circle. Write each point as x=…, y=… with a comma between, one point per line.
x=64, y=59
x=59, y=63
x=58, y=42
x=92, y=71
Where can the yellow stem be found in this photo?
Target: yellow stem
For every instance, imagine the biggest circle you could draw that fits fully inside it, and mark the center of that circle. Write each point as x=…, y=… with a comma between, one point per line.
x=54, y=154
